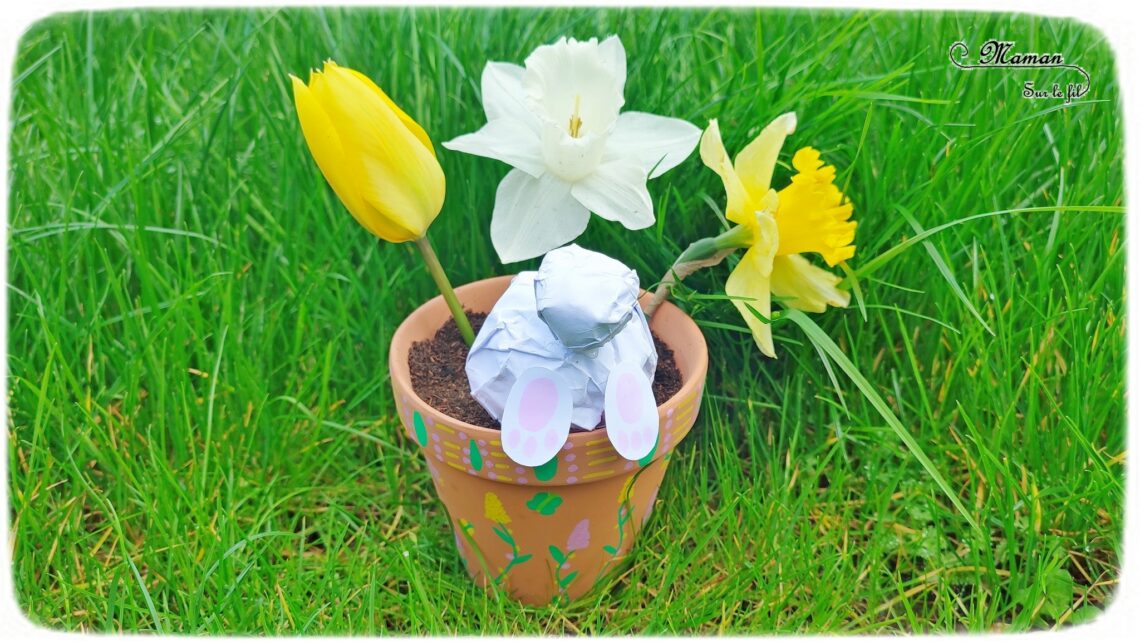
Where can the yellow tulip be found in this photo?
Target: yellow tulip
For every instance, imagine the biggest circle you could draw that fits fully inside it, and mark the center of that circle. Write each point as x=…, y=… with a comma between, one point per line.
x=810, y=215
x=379, y=161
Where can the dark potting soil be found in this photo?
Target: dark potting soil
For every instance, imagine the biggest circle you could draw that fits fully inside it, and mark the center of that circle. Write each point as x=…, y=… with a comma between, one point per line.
x=440, y=379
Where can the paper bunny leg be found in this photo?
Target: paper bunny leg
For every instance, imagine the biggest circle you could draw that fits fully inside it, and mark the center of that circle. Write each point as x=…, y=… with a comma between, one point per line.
x=631, y=411
x=536, y=418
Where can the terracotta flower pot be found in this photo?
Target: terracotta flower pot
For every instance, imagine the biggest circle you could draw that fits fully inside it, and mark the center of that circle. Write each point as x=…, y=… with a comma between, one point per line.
x=549, y=533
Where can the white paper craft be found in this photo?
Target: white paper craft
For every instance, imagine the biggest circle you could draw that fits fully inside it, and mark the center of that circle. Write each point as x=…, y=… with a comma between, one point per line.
x=631, y=412
x=590, y=301
x=536, y=420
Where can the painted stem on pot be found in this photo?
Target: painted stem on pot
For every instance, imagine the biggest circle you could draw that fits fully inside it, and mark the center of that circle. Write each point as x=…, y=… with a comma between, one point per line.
x=579, y=540
x=514, y=558
x=624, y=514
x=493, y=509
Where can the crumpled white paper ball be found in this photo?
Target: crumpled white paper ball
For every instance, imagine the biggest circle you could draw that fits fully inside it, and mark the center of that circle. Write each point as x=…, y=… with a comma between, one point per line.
x=585, y=295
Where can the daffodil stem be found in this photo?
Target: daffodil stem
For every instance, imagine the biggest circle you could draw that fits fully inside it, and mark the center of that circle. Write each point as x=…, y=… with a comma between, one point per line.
x=440, y=278
x=705, y=252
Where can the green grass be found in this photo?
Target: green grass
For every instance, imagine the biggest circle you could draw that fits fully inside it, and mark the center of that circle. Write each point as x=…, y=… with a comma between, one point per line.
x=201, y=434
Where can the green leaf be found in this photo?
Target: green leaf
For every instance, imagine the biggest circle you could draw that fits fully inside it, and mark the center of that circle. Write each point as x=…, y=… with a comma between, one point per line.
x=547, y=470
x=611, y=550
x=643, y=461
x=506, y=537
x=544, y=503
x=566, y=580
x=1058, y=593
x=1084, y=614
x=474, y=455
x=522, y=558
x=557, y=555
x=822, y=340
x=421, y=429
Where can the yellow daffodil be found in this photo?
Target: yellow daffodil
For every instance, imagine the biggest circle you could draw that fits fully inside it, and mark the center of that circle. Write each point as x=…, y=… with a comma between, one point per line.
x=379, y=161
x=810, y=215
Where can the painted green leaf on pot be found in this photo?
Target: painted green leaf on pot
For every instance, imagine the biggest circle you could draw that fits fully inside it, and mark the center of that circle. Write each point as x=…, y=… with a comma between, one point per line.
x=476, y=457
x=649, y=457
x=557, y=555
x=566, y=580
x=547, y=470
x=421, y=429
x=611, y=550
x=545, y=503
x=505, y=536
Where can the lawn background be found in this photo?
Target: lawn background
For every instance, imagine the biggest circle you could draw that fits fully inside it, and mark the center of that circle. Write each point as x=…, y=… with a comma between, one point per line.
x=200, y=429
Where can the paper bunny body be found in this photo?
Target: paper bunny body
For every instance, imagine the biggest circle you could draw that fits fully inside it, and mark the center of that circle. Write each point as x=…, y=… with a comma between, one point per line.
x=561, y=346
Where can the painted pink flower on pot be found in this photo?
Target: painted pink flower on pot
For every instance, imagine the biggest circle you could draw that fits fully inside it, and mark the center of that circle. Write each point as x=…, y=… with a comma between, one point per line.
x=580, y=537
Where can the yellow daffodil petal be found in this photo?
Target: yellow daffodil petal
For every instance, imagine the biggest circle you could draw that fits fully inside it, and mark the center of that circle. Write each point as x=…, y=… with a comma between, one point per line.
x=749, y=282
x=756, y=162
x=805, y=287
x=739, y=209
x=814, y=216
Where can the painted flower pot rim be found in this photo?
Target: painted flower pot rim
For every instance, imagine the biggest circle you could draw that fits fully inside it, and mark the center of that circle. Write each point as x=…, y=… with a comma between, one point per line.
x=576, y=438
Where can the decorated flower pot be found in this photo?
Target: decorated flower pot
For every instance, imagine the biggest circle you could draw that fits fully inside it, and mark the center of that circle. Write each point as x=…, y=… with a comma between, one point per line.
x=548, y=533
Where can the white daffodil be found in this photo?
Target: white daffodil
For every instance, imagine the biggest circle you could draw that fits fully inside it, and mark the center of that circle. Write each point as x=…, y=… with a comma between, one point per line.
x=557, y=121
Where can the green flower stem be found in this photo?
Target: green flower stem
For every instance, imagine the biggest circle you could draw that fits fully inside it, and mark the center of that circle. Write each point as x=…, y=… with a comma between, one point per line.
x=705, y=252
x=440, y=278
x=624, y=514
x=515, y=556
x=562, y=598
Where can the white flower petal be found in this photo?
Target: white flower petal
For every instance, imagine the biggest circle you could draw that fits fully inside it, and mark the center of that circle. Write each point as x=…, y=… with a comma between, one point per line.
x=571, y=81
x=616, y=191
x=656, y=143
x=570, y=158
x=507, y=140
x=533, y=216
x=613, y=54
x=503, y=95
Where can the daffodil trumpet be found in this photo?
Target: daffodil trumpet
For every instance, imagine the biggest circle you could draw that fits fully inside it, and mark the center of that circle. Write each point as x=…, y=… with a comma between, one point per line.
x=809, y=216
x=380, y=163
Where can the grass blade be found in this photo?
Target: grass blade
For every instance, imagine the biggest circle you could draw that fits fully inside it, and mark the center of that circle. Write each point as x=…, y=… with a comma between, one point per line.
x=824, y=343
x=944, y=269
x=886, y=257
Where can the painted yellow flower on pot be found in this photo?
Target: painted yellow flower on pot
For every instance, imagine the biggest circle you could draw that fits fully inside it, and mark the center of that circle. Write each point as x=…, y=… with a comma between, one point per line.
x=379, y=161
x=809, y=216
x=493, y=509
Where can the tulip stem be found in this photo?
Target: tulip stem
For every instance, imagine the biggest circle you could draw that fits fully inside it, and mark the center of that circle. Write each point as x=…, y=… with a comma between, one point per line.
x=440, y=278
